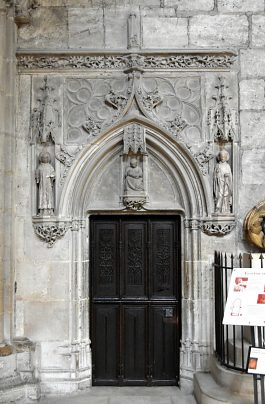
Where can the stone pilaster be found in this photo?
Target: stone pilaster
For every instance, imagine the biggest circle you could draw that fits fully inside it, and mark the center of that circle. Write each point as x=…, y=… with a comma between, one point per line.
x=7, y=156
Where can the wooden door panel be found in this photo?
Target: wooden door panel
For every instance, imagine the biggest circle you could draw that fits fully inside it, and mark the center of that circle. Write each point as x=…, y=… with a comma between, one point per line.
x=163, y=260
x=134, y=259
x=105, y=260
x=105, y=343
x=134, y=342
x=163, y=342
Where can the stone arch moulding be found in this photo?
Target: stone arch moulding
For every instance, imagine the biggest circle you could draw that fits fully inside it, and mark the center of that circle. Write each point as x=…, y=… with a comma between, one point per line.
x=190, y=198
x=177, y=161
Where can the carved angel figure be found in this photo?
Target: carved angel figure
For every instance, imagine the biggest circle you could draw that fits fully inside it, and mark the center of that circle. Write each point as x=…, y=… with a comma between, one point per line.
x=133, y=177
x=45, y=176
x=223, y=183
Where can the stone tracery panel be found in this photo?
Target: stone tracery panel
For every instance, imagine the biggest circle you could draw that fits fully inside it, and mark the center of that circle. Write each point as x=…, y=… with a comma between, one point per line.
x=179, y=110
x=89, y=106
x=94, y=104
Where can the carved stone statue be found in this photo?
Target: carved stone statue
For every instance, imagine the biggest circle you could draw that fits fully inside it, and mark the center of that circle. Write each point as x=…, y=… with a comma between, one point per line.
x=223, y=184
x=45, y=176
x=133, y=182
x=51, y=116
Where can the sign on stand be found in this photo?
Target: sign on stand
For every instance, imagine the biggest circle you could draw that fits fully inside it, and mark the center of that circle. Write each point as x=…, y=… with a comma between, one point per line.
x=245, y=305
x=246, y=298
x=256, y=361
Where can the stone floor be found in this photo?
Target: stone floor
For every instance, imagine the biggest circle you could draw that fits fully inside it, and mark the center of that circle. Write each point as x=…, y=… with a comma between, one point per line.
x=125, y=395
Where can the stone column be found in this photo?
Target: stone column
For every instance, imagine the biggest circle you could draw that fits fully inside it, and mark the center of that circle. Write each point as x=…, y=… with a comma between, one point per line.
x=7, y=159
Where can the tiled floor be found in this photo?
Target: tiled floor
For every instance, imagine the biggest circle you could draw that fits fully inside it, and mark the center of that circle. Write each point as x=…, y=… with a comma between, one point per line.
x=125, y=395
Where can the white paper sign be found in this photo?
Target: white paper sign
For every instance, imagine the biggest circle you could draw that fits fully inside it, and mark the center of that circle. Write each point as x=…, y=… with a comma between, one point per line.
x=256, y=361
x=246, y=298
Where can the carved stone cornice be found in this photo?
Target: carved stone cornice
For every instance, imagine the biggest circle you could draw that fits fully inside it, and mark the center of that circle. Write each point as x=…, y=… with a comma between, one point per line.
x=118, y=61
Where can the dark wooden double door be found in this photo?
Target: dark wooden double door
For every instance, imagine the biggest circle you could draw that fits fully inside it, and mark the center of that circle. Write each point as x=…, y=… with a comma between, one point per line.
x=135, y=305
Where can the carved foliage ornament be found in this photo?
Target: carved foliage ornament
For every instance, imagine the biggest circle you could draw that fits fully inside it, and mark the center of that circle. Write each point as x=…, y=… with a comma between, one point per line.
x=202, y=155
x=66, y=158
x=254, y=225
x=50, y=233
x=169, y=61
x=134, y=203
x=217, y=229
x=213, y=227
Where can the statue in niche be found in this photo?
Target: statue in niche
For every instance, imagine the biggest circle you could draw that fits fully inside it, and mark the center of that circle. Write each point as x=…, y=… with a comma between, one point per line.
x=223, y=184
x=133, y=182
x=45, y=177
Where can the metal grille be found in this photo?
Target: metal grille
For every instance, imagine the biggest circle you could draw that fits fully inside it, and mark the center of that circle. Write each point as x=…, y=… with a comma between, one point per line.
x=232, y=342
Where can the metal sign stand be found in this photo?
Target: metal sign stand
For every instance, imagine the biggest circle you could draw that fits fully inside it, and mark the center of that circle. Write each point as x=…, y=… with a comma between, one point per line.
x=257, y=341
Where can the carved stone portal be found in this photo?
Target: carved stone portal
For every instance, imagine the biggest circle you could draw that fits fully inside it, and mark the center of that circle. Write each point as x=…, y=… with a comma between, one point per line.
x=254, y=225
x=134, y=166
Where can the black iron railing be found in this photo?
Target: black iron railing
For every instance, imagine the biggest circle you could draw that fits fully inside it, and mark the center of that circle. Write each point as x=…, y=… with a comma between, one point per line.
x=232, y=341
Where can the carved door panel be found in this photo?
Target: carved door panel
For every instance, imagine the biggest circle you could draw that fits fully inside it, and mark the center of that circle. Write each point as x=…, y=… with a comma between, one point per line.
x=135, y=300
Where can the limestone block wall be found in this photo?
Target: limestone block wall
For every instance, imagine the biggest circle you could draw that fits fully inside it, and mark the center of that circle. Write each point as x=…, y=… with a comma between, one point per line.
x=48, y=300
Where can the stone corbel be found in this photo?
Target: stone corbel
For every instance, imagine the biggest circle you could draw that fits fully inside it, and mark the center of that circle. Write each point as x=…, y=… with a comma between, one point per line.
x=218, y=227
x=215, y=226
x=50, y=230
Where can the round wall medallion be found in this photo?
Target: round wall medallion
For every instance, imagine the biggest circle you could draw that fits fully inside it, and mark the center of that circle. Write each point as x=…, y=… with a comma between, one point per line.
x=254, y=225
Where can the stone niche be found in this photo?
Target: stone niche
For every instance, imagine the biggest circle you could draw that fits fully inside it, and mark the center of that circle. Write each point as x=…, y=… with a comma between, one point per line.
x=126, y=134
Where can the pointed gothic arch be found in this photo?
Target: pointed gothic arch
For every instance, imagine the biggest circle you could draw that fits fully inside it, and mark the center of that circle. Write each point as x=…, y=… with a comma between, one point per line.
x=177, y=163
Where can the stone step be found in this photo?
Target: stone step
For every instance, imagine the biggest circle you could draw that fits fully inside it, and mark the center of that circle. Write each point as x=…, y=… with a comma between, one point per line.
x=234, y=381
x=207, y=391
